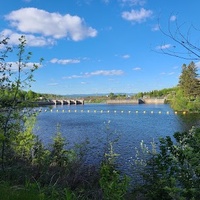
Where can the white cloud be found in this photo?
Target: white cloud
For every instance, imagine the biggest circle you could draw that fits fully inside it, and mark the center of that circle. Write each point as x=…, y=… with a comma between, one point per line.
x=31, y=40
x=155, y=27
x=165, y=46
x=126, y=56
x=197, y=64
x=37, y=21
x=168, y=74
x=173, y=18
x=105, y=73
x=133, y=2
x=97, y=73
x=175, y=67
x=137, y=15
x=83, y=83
x=137, y=69
x=52, y=84
x=64, y=61
x=73, y=76
x=15, y=65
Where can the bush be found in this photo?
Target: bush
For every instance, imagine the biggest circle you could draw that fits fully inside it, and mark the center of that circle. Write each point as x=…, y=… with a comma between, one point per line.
x=174, y=172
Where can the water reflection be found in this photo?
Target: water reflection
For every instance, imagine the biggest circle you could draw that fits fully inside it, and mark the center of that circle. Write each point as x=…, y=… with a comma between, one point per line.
x=189, y=120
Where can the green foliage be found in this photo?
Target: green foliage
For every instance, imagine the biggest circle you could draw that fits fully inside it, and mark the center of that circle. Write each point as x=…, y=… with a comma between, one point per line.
x=179, y=102
x=157, y=93
x=174, y=172
x=69, y=195
x=187, y=96
x=60, y=156
x=188, y=81
x=41, y=155
x=25, y=140
x=8, y=192
x=12, y=83
x=30, y=95
x=113, y=185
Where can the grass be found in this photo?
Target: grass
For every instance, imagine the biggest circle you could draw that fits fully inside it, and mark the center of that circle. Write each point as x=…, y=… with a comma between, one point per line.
x=8, y=192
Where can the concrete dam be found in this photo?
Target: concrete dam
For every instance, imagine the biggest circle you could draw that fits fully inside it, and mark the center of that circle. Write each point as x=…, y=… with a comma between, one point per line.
x=61, y=102
x=68, y=102
x=137, y=101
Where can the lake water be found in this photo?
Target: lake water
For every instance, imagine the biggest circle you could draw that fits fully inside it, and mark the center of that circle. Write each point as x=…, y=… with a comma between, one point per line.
x=101, y=123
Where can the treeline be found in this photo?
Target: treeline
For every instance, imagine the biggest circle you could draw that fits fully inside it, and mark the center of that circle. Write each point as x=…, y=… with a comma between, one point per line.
x=156, y=93
x=8, y=93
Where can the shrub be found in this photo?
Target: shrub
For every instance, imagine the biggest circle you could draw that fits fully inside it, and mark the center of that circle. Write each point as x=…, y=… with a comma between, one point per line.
x=174, y=172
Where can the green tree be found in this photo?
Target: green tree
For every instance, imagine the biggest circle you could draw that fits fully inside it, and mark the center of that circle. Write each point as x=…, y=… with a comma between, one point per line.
x=189, y=82
x=31, y=95
x=112, y=95
x=25, y=140
x=12, y=82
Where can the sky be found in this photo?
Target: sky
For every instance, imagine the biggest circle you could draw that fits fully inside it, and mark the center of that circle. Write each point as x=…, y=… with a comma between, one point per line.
x=101, y=46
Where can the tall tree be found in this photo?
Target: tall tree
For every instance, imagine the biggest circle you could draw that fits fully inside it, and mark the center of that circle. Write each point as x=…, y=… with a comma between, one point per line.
x=189, y=82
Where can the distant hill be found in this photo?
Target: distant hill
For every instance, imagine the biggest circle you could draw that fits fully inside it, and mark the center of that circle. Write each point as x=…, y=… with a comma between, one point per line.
x=93, y=95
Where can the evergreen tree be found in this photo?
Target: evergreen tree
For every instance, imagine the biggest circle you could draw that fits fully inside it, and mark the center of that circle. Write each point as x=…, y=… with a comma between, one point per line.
x=189, y=82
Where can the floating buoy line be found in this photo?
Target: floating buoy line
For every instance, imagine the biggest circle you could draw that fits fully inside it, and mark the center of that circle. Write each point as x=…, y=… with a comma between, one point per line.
x=109, y=111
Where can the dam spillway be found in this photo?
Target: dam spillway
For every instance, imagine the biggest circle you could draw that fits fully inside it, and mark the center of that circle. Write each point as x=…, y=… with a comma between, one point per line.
x=68, y=102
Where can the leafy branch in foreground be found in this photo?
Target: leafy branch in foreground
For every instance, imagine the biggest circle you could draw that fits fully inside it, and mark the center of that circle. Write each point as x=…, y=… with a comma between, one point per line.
x=15, y=77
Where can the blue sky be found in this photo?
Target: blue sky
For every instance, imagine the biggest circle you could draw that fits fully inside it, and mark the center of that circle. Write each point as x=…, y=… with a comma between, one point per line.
x=100, y=46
